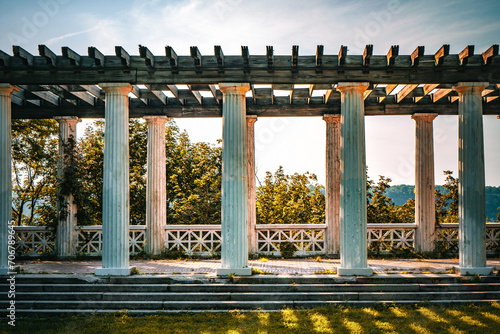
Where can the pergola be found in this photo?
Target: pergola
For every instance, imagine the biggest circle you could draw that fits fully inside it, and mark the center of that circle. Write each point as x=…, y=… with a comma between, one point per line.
x=71, y=86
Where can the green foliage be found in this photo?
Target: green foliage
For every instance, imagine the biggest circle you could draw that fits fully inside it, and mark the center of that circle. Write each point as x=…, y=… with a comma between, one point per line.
x=290, y=199
x=34, y=161
x=287, y=249
x=447, y=203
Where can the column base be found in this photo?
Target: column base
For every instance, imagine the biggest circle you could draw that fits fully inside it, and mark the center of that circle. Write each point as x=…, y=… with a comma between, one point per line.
x=483, y=271
x=10, y=271
x=354, y=271
x=235, y=271
x=114, y=271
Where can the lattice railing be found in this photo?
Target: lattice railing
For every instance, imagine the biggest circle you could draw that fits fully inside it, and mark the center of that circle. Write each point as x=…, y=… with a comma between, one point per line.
x=308, y=239
x=392, y=236
x=34, y=240
x=194, y=239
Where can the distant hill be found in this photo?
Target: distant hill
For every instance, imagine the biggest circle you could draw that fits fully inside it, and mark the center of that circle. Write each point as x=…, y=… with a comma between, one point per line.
x=402, y=192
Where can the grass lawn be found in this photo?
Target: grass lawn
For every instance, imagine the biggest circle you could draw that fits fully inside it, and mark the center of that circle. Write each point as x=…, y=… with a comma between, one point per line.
x=378, y=319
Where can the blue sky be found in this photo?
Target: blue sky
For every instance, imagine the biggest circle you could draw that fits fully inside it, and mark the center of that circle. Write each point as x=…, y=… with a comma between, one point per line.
x=296, y=143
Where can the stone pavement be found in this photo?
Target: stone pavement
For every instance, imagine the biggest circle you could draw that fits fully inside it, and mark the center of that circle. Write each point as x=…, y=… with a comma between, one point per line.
x=274, y=266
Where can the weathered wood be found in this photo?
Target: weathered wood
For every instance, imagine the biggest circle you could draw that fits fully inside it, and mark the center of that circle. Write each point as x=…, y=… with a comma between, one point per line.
x=137, y=93
x=369, y=90
x=270, y=58
x=388, y=90
x=441, y=53
x=404, y=92
x=74, y=58
x=295, y=58
x=319, y=58
x=172, y=57
x=148, y=57
x=392, y=54
x=25, y=56
x=50, y=56
x=465, y=54
x=342, y=55
x=426, y=90
x=96, y=55
x=367, y=55
x=440, y=93
x=416, y=55
x=79, y=94
x=220, y=58
x=196, y=95
x=244, y=56
x=196, y=55
x=123, y=55
x=158, y=93
x=4, y=59
x=490, y=53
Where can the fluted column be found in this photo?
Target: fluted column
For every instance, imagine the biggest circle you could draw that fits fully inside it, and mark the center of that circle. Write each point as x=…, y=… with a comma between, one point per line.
x=115, y=208
x=332, y=187
x=234, y=256
x=156, y=186
x=425, y=207
x=471, y=182
x=65, y=233
x=252, y=218
x=353, y=229
x=5, y=174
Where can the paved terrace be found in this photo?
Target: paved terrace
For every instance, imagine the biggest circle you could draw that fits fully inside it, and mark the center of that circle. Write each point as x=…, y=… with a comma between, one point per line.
x=274, y=266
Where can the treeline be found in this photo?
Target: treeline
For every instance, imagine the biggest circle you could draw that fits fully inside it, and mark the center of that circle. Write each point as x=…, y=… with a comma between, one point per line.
x=193, y=182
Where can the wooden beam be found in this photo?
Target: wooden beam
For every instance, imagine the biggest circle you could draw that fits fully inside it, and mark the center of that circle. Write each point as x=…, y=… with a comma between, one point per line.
x=158, y=93
x=137, y=93
x=342, y=55
x=465, y=54
x=367, y=54
x=404, y=92
x=49, y=56
x=369, y=91
x=84, y=96
x=213, y=90
x=440, y=93
x=4, y=59
x=392, y=54
x=319, y=58
x=96, y=91
x=440, y=54
x=74, y=58
x=56, y=90
x=48, y=96
x=175, y=92
x=148, y=57
x=123, y=55
x=427, y=89
x=388, y=90
x=220, y=58
x=25, y=56
x=244, y=55
x=295, y=58
x=196, y=55
x=270, y=58
x=489, y=54
x=172, y=56
x=416, y=55
x=196, y=95
x=97, y=56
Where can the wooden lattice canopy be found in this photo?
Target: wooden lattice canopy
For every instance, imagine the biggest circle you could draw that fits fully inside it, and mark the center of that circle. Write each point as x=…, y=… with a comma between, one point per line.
x=286, y=85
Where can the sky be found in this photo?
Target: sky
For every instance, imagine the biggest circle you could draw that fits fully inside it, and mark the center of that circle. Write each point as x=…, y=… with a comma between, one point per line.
x=298, y=144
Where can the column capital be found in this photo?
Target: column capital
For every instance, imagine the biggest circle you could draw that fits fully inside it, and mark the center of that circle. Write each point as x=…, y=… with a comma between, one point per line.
x=116, y=87
x=463, y=87
x=7, y=89
x=156, y=119
x=251, y=119
x=234, y=88
x=352, y=86
x=331, y=118
x=68, y=119
x=426, y=117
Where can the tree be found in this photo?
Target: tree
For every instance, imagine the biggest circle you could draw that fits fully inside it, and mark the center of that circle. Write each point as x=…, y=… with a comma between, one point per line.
x=381, y=208
x=447, y=203
x=290, y=199
x=34, y=167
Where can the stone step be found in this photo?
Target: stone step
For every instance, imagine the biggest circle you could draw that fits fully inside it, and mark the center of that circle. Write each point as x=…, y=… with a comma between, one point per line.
x=250, y=287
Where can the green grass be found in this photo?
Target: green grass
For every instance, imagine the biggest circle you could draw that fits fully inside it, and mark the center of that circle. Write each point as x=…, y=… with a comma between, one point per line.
x=380, y=318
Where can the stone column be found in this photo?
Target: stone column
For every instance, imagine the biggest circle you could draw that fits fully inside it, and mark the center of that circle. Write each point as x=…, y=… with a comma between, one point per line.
x=156, y=187
x=353, y=242
x=115, y=206
x=332, y=187
x=5, y=175
x=66, y=236
x=471, y=186
x=252, y=218
x=234, y=257
x=425, y=207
